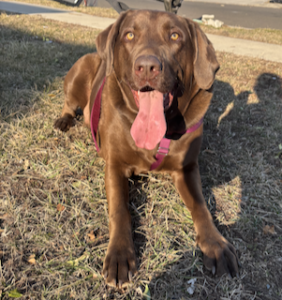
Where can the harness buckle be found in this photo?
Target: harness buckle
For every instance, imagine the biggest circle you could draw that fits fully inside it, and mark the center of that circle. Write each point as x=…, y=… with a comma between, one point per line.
x=163, y=151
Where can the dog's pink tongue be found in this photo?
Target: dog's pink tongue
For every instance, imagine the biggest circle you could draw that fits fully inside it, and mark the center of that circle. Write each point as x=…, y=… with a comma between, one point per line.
x=149, y=126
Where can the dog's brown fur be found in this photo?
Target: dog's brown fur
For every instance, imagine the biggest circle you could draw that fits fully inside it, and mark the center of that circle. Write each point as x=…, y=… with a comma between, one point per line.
x=189, y=64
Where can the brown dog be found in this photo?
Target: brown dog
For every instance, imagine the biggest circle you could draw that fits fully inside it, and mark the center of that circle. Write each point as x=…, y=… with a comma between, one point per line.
x=159, y=71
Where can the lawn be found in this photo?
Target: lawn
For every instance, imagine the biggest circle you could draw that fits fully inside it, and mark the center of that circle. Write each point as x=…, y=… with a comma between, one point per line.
x=53, y=217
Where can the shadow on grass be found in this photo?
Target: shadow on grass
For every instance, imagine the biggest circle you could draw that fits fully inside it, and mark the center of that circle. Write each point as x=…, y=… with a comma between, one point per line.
x=33, y=64
x=239, y=165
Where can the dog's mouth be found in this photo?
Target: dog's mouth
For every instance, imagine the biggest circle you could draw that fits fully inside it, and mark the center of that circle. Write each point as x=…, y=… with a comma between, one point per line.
x=167, y=97
x=149, y=126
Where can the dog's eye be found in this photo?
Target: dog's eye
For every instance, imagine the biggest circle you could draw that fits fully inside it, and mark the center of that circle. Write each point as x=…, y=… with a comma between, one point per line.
x=130, y=36
x=174, y=36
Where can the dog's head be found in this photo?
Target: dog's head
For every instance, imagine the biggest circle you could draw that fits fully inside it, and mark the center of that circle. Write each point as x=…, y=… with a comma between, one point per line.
x=159, y=56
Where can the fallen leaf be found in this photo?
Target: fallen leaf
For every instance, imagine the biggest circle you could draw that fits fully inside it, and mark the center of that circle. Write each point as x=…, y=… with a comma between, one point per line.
x=31, y=259
x=91, y=236
x=15, y=294
x=76, y=184
x=60, y=207
x=269, y=230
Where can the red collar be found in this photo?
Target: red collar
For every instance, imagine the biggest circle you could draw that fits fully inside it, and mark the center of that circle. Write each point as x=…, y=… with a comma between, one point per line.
x=164, y=144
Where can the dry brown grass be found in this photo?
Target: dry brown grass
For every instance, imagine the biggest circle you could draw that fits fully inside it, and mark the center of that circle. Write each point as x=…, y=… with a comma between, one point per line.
x=265, y=35
x=53, y=217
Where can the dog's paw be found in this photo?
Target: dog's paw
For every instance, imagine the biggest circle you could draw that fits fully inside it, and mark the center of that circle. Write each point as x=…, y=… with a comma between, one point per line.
x=119, y=266
x=64, y=123
x=219, y=255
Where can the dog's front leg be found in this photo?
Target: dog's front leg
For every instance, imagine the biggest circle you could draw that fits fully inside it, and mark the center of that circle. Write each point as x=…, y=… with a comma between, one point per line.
x=120, y=264
x=219, y=255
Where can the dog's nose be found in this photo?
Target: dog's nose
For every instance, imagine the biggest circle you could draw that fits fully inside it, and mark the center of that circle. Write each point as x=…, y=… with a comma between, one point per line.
x=147, y=67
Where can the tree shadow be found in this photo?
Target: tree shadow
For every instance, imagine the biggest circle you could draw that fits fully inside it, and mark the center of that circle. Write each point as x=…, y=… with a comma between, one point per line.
x=239, y=162
x=43, y=62
x=137, y=198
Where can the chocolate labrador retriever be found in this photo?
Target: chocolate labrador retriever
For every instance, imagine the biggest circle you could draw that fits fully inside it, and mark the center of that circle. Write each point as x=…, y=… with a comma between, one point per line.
x=154, y=73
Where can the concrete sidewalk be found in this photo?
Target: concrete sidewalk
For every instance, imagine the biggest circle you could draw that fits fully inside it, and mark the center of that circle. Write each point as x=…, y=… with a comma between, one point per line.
x=242, y=47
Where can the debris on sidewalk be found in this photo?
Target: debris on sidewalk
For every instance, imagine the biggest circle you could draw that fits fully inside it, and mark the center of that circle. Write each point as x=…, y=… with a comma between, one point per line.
x=209, y=20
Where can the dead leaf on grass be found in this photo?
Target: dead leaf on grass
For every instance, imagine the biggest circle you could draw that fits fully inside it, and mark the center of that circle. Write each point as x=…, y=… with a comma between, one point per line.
x=60, y=207
x=31, y=259
x=269, y=230
x=91, y=236
x=76, y=184
x=14, y=294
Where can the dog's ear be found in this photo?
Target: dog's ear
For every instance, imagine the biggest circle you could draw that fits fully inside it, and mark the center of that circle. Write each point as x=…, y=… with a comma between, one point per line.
x=205, y=62
x=105, y=42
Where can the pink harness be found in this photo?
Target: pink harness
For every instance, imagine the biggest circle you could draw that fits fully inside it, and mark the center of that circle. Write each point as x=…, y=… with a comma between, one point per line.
x=164, y=144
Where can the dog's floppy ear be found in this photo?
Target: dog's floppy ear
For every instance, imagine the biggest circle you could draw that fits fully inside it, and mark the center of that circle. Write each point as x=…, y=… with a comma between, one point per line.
x=105, y=42
x=205, y=62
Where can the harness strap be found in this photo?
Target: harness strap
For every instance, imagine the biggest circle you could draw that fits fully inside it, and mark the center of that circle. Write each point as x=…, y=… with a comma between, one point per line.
x=95, y=114
x=164, y=144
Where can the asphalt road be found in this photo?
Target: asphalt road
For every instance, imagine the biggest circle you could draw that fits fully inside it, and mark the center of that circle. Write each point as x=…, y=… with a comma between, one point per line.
x=24, y=8
x=232, y=15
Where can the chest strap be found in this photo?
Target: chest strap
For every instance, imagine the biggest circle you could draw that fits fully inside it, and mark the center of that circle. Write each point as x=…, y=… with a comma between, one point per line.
x=163, y=149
